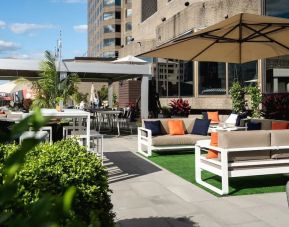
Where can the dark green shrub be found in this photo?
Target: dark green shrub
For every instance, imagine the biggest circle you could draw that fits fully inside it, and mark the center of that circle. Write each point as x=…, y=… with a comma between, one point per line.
x=276, y=106
x=51, y=169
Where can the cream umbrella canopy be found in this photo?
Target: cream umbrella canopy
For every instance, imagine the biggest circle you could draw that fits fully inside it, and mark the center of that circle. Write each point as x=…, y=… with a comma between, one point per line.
x=92, y=93
x=239, y=39
x=130, y=60
x=14, y=86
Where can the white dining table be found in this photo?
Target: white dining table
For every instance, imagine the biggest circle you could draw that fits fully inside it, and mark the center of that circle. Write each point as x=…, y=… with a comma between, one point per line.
x=69, y=113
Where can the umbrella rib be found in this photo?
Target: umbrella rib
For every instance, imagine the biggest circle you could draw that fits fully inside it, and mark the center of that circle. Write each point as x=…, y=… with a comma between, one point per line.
x=272, y=40
x=218, y=37
x=240, y=37
x=253, y=36
x=216, y=41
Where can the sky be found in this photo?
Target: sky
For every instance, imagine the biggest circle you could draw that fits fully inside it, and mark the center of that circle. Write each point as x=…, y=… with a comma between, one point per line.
x=29, y=27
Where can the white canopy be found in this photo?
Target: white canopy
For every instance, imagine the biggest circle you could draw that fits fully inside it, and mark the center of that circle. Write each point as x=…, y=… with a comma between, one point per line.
x=130, y=60
x=14, y=86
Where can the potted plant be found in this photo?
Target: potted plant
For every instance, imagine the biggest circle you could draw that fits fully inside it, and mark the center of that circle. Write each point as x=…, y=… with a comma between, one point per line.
x=180, y=107
x=237, y=93
x=166, y=112
x=59, y=104
x=255, y=100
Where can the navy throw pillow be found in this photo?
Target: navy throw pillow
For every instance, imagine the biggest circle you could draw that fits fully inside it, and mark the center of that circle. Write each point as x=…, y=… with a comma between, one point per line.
x=201, y=127
x=254, y=126
x=154, y=126
x=240, y=117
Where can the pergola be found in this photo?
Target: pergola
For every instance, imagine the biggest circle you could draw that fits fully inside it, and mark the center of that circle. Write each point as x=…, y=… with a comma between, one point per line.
x=88, y=71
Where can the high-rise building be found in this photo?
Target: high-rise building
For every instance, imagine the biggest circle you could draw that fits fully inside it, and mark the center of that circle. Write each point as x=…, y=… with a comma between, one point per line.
x=126, y=24
x=104, y=28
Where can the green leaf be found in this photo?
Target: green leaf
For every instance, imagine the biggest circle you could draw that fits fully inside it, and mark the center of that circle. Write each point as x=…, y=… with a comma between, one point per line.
x=68, y=199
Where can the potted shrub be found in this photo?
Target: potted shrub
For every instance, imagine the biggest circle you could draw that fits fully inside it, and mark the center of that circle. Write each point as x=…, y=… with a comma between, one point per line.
x=180, y=107
x=237, y=93
x=255, y=95
x=59, y=104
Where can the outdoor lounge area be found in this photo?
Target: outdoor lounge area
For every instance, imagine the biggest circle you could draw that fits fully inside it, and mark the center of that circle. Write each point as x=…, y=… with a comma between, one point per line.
x=67, y=160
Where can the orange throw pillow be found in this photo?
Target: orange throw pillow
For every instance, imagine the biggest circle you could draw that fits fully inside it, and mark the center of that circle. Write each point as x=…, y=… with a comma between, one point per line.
x=214, y=142
x=214, y=117
x=176, y=127
x=276, y=125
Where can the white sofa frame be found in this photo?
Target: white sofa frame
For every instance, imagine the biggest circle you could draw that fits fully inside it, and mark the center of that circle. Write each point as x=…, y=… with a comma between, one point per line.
x=145, y=140
x=221, y=167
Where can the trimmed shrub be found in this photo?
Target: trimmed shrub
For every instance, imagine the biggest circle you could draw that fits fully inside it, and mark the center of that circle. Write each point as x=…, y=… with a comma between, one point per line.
x=51, y=169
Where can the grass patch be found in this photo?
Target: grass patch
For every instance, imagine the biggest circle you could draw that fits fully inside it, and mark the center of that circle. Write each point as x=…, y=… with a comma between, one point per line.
x=183, y=165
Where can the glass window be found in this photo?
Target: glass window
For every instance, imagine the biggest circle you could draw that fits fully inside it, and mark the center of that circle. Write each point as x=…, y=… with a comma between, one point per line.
x=186, y=79
x=128, y=26
x=274, y=81
x=128, y=12
x=112, y=2
x=108, y=15
x=109, y=54
x=212, y=78
x=246, y=74
x=108, y=42
x=109, y=28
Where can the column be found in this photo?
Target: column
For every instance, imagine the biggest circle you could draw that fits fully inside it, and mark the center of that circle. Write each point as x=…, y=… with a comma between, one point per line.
x=110, y=94
x=145, y=96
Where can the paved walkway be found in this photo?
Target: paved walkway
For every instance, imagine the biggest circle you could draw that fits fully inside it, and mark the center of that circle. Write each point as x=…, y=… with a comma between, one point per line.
x=145, y=195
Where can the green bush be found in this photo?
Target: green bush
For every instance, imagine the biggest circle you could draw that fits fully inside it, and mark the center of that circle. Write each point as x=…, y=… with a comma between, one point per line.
x=52, y=169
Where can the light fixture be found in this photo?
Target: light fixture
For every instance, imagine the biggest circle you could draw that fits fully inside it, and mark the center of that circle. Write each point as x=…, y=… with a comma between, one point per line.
x=131, y=39
x=226, y=16
x=163, y=19
x=187, y=3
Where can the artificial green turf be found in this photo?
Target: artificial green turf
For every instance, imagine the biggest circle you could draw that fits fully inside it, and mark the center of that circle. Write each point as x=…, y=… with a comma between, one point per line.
x=183, y=165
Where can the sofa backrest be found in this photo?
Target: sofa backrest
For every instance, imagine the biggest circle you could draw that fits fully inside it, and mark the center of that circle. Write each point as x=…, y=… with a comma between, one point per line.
x=243, y=139
x=279, y=137
x=188, y=124
x=266, y=124
x=222, y=118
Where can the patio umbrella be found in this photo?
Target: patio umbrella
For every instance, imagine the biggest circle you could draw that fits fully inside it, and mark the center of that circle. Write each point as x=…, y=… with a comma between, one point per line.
x=130, y=60
x=239, y=39
x=14, y=86
x=92, y=93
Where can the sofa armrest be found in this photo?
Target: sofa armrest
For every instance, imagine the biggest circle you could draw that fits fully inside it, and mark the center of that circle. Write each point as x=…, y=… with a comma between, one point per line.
x=144, y=133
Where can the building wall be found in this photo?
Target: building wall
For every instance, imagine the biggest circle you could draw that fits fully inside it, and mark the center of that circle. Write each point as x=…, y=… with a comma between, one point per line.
x=129, y=92
x=174, y=19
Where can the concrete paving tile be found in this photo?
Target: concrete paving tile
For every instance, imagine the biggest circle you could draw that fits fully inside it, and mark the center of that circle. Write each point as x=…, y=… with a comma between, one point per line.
x=203, y=220
x=278, y=199
x=244, y=201
x=175, y=210
x=226, y=213
x=149, y=189
x=271, y=215
x=252, y=224
x=191, y=193
x=133, y=213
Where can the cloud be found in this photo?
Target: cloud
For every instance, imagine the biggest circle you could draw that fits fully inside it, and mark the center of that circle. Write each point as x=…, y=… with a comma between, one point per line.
x=80, y=28
x=33, y=55
x=2, y=24
x=20, y=28
x=8, y=46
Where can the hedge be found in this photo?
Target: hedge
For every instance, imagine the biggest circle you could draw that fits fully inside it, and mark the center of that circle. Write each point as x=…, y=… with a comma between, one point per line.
x=51, y=169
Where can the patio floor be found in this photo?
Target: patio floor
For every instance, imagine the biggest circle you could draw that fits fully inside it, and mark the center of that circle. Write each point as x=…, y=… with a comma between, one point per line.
x=147, y=195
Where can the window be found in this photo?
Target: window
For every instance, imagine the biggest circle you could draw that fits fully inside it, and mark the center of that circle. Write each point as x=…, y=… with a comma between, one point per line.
x=108, y=42
x=112, y=2
x=212, y=78
x=274, y=81
x=186, y=79
x=109, y=54
x=108, y=16
x=128, y=12
x=128, y=26
x=111, y=28
x=149, y=7
x=246, y=74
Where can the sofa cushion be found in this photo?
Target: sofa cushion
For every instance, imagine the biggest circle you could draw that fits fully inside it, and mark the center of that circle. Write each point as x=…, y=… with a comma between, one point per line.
x=187, y=139
x=201, y=127
x=248, y=155
x=188, y=124
x=232, y=119
x=266, y=124
x=242, y=139
x=154, y=126
x=176, y=127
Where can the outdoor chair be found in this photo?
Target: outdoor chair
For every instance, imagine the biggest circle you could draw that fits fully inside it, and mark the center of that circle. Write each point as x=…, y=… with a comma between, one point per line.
x=41, y=135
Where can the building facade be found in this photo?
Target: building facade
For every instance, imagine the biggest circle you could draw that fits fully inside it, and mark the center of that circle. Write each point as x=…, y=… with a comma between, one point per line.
x=205, y=84
x=104, y=28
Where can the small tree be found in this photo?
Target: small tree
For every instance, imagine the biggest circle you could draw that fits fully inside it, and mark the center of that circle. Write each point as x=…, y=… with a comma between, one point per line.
x=255, y=100
x=237, y=93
